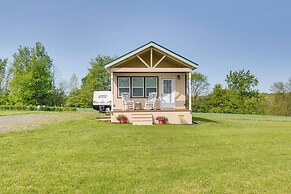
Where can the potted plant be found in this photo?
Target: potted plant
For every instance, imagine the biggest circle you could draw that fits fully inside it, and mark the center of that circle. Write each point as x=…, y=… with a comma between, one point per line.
x=122, y=118
x=162, y=119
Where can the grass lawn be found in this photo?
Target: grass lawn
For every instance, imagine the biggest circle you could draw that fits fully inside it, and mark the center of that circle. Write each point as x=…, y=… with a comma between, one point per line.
x=222, y=154
x=13, y=112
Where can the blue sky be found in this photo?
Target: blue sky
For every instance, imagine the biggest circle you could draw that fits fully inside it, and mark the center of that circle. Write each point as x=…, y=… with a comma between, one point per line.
x=219, y=35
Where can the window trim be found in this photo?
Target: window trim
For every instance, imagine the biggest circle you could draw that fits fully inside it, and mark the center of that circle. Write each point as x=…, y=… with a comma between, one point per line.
x=143, y=87
x=130, y=85
x=119, y=95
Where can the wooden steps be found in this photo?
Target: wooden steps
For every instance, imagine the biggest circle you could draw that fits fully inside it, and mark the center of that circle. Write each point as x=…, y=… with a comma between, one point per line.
x=105, y=118
x=142, y=119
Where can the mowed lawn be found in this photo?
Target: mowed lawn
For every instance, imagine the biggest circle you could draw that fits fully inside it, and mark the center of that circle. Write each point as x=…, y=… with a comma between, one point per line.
x=222, y=154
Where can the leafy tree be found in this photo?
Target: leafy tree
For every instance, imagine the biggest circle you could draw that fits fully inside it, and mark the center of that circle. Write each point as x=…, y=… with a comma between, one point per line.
x=73, y=98
x=97, y=79
x=280, y=104
x=245, y=97
x=242, y=82
x=3, y=64
x=288, y=85
x=32, y=76
x=3, y=89
x=278, y=87
x=239, y=97
x=73, y=92
x=199, y=84
x=73, y=83
x=58, y=96
x=221, y=100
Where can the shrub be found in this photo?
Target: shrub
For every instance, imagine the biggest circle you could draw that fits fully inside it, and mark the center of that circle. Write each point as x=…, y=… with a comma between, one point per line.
x=35, y=108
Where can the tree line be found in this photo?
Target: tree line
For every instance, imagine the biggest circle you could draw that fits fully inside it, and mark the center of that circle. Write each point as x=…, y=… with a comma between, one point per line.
x=30, y=80
x=240, y=96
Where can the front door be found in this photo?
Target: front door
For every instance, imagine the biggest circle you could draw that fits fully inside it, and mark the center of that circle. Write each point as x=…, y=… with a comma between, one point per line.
x=168, y=93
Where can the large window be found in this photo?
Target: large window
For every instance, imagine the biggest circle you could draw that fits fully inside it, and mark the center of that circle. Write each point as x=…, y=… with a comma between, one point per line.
x=137, y=86
x=123, y=85
x=150, y=85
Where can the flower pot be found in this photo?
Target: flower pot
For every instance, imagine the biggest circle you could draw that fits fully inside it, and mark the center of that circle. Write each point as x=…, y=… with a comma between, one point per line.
x=161, y=122
x=122, y=121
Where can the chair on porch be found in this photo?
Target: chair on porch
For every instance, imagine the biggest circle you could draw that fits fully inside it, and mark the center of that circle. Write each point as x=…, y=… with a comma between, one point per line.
x=151, y=102
x=126, y=102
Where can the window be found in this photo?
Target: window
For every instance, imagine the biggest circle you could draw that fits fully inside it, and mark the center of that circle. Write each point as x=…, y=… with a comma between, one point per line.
x=150, y=85
x=137, y=87
x=123, y=85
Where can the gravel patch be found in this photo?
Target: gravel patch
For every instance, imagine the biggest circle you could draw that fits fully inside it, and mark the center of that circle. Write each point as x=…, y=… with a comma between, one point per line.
x=30, y=121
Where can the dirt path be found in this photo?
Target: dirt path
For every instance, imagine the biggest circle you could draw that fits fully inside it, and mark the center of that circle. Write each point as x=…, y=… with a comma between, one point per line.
x=30, y=121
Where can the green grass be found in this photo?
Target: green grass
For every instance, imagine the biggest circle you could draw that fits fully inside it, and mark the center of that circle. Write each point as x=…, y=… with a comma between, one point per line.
x=219, y=155
x=244, y=116
x=14, y=112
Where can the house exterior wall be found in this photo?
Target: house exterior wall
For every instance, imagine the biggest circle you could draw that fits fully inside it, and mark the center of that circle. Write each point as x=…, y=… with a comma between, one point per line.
x=180, y=89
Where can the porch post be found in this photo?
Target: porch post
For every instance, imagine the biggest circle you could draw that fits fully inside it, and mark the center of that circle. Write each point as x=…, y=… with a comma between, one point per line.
x=189, y=91
x=112, y=92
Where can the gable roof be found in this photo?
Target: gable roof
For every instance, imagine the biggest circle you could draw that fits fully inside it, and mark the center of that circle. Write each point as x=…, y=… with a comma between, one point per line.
x=192, y=64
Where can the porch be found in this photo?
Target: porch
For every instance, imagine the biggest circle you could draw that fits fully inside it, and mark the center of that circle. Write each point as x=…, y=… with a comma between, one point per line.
x=148, y=117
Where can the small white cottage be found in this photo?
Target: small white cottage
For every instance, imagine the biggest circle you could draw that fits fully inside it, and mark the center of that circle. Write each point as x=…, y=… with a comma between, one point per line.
x=151, y=81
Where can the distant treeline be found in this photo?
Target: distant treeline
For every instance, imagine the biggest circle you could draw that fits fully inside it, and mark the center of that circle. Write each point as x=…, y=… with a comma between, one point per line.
x=30, y=80
x=241, y=97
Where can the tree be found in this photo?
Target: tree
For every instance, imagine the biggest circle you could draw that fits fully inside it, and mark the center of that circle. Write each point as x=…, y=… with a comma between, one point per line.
x=59, y=95
x=199, y=84
x=96, y=79
x=242, y=82
x=278, y=87
x=73, y=92
x=280, y=104
x=288, y=85
x=242, y=85
x=3, y=88
x=3, y=64
x=73, y=83
x=32, y=76
x=240, y=96
x=221, y=100
x=73, y=98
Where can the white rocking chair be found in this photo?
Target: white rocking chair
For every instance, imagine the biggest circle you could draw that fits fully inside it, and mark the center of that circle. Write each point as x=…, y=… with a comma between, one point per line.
x=151, y=102
x=126, y=102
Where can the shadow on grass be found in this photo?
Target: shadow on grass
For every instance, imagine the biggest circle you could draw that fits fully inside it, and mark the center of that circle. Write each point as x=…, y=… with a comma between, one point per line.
x=199, y=119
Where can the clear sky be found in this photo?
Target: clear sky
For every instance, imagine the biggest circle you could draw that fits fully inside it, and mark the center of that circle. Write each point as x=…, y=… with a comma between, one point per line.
x=219, y=35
